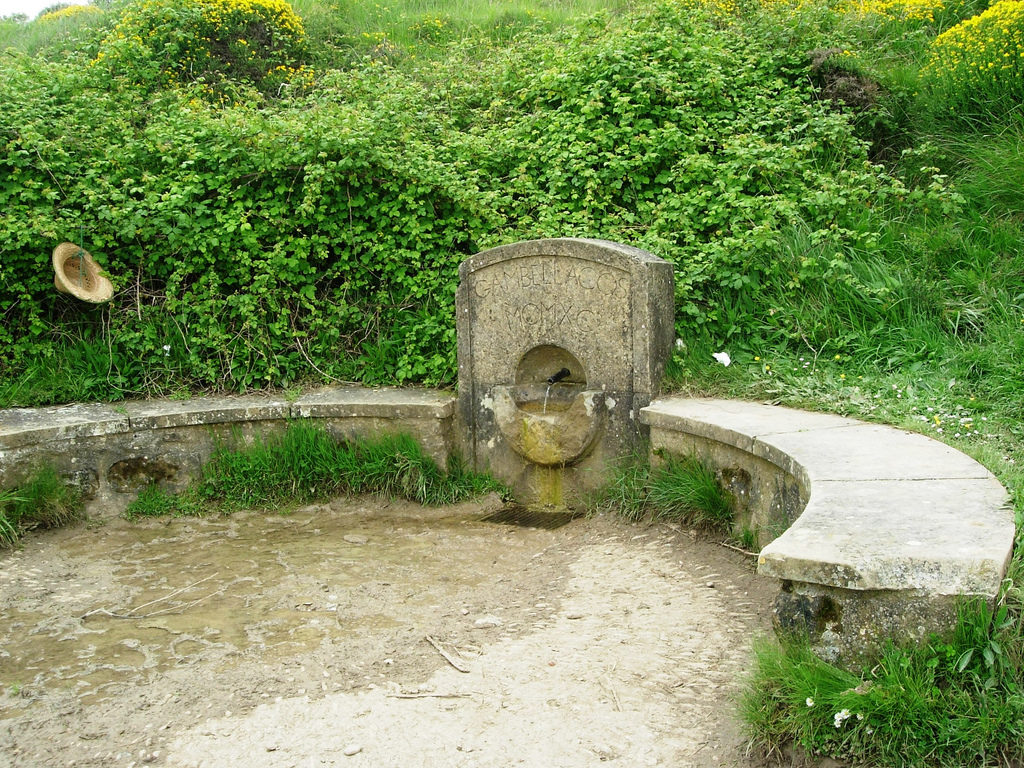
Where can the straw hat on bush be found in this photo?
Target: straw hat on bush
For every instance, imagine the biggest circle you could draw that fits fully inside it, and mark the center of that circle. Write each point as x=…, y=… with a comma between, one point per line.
x=76, y=273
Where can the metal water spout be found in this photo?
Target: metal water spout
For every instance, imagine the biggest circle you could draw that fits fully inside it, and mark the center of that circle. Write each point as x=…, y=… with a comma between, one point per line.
x=557, y=377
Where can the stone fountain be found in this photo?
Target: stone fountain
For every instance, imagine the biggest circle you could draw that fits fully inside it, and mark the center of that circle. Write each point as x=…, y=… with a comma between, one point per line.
x=561, y=343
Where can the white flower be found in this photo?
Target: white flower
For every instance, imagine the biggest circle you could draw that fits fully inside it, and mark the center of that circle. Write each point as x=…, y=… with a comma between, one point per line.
x=167, y=350
x=841, y=717
x=809, y=701
x=722, y=357
x=680, y=344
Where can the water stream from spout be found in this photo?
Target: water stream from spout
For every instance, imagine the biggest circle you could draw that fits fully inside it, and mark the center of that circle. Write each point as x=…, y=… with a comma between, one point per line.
x=546, y=393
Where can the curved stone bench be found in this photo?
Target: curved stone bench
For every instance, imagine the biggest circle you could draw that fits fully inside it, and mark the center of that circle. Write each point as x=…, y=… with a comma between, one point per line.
x=111, y=452
x=873, y=532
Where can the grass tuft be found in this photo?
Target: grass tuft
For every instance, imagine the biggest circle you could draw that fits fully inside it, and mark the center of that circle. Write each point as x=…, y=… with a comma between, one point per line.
x=43, y=501
x=681, y=489
x=685, y=490
x=306, y=464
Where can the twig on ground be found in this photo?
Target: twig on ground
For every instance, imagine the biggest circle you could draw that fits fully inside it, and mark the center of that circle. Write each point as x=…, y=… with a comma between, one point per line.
x=135, y=612
x=607, y=683
x=742, y=551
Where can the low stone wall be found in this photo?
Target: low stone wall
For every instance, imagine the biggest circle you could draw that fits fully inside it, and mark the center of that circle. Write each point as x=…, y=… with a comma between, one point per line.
x=110, y=452
x=873, y=533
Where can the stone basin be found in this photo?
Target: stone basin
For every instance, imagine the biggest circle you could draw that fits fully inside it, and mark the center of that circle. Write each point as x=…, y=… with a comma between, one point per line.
x=549, y=425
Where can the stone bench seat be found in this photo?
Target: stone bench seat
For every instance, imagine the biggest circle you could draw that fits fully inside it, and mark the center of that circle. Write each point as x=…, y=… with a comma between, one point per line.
x=112, y=451
x=873, y=532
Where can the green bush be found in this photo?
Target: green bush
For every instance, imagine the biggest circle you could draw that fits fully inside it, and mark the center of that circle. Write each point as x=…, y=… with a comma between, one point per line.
x=248, y=247
x=260, y=244
x=214, y=43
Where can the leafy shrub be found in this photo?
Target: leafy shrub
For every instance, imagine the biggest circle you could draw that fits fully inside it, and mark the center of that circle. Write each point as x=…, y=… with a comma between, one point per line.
x=215, y=42
x=980, y=62
x=244, y=243
x=893, y=10
x=256, y=244
x=695, y=142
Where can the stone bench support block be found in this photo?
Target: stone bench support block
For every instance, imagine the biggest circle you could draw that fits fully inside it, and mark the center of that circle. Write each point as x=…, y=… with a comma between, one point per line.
x=873, y=532
x=111, y=452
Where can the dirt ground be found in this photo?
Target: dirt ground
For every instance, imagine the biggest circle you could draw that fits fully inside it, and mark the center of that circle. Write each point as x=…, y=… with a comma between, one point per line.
x=371, y=633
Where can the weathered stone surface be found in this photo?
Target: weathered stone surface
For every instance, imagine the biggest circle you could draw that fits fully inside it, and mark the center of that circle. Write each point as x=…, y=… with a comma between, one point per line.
x=600, y=311
x=387, y=403
x=28, y=426
x=859, y=451
x=160, y=414
x=850, y=627
x=557, y=433
x=351, y=413
x=743, y=419
x=946, y=536
x=886, y=529
x=136, y=473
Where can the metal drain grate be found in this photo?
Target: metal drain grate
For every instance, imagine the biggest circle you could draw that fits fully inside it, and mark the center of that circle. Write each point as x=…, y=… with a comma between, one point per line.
x=527, y=517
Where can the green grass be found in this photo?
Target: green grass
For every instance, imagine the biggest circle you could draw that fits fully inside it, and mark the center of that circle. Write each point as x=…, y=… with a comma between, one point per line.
x=409, y=30
x=42, y=501
x=9, y=533
x=54, y=36
x=679, y=489
x=685, y=490
x=307, y=464
x=948, y=702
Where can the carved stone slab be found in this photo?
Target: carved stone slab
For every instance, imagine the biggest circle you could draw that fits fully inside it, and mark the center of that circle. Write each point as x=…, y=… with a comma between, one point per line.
x=598, y=313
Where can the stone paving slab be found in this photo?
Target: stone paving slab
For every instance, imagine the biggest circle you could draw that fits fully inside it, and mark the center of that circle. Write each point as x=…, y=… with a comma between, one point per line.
x=739, y=422
x=27, y=426
x=159, y=414
x=887, y=509
x=354, y=402
x=947, y=537
x=860, y=451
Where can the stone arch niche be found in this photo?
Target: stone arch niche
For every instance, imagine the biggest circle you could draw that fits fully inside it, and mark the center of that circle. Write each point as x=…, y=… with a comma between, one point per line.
x=561, y=342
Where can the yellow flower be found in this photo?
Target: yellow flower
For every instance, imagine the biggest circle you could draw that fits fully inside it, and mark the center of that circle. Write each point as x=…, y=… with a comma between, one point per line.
x=981, y=56
x=893, y=10
x=69, y=12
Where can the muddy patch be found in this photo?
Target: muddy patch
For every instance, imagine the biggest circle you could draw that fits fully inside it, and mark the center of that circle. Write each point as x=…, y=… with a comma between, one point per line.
x=369, y=633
